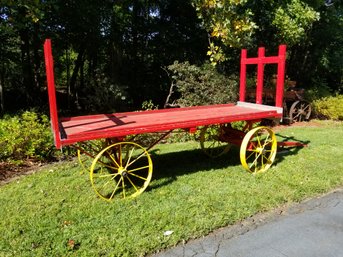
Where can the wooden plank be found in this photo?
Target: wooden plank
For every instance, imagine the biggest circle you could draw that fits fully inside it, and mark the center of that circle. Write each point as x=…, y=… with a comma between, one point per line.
x=84, y=128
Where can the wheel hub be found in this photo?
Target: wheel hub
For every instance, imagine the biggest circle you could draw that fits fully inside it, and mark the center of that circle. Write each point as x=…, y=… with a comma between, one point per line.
x=259, y=149
x=122, y=171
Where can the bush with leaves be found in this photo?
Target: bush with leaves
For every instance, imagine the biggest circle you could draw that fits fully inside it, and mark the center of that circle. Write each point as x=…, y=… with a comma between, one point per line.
x=25, y=136
x=329, y=107
x=293, y=21
x=202, y=85
x=318, y=89
x=101, y=94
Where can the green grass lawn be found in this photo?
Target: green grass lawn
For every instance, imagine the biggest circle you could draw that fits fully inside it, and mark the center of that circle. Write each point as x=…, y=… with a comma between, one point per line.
x=55, y=212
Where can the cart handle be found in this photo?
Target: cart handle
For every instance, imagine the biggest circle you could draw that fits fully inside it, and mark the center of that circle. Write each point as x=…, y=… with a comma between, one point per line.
x=49, y=67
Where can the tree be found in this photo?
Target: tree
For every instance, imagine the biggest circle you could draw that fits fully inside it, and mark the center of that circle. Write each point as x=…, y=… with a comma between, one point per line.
x=240, y=23
x=318, y=61
x=311, y=30
x=229, y=22
x=146, y=36
x=20, y=23
x=109, y=54
x=8, y=56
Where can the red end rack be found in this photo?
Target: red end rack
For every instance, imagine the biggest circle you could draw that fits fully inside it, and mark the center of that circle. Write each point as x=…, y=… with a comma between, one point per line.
x=261, y=60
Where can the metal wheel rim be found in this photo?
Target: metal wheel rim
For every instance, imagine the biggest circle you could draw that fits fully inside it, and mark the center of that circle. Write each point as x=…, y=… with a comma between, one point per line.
x=121, y=170
x=258, y=150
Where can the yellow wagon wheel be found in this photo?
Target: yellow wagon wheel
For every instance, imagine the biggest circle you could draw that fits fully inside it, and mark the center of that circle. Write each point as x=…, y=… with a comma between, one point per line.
x=258, y=149
x=210, y=141
x=121, y=170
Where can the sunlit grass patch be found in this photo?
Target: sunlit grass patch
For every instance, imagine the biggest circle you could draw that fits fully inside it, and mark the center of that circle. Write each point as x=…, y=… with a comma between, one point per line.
x=55, y=212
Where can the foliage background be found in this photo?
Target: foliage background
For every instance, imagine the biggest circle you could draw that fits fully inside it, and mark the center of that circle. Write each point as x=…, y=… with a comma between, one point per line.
x=25, y=136
x=116, y=51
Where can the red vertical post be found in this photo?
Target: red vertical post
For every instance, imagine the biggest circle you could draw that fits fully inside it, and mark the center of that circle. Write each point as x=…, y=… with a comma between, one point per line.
x=280, y=76
x=260, y=72
x=49, y=67
x=242, y=84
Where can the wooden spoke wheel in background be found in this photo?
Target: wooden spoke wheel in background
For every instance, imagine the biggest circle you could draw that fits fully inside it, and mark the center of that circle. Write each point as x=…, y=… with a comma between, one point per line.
x=300, y=111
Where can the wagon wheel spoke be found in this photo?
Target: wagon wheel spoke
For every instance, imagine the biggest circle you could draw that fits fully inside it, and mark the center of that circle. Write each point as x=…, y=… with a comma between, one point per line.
x=258, y=149
x=125, y=171
x=107, y=181
x=136, y=169
x=129, y=158
x=253, y=152
x=105, y=176
x=258, y=140
x=124, y=190
x=112, y=158
x=298, y=116
x=137, y=176
x=257, y=155
x=115, y=189
x=136, y=159
x=211, y=143
x=132, y=184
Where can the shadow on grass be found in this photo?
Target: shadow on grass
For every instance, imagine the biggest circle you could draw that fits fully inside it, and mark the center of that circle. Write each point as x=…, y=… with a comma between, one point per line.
x=169, y=166
x=283, y=152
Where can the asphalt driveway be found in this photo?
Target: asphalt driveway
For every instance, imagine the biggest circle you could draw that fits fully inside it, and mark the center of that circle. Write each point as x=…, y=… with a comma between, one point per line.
x=312, y=228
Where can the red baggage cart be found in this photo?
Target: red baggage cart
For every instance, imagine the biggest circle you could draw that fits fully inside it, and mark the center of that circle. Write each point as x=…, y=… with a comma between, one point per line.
x=123, y=168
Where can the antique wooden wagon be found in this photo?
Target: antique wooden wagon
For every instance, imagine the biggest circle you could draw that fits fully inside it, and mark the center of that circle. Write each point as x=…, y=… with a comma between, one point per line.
x=123, y=168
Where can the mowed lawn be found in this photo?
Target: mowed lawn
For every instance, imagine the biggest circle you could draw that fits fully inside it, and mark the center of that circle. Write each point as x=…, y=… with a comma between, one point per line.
x=55, y=212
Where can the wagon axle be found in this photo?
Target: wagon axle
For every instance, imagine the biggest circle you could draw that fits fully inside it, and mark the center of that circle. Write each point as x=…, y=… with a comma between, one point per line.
x=122, y=171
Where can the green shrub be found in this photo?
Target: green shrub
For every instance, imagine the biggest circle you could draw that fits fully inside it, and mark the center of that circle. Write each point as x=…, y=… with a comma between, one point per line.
x=194, y=86
x=329, y=107
x=202, y=85
x=319, y=89
x=148, y=105
x=101, y=94
x=25, y=136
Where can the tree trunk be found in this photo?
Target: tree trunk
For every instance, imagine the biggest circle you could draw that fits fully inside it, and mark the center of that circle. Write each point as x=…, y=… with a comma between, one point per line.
x=1, y=93
x=68, y=77
x=26, y=65
x=78, y=63
x=2, y=82
x=134, y=73
x=36, y=57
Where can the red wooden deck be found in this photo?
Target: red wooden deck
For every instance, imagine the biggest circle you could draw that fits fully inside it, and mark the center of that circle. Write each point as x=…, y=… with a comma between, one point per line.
x=82, y=128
